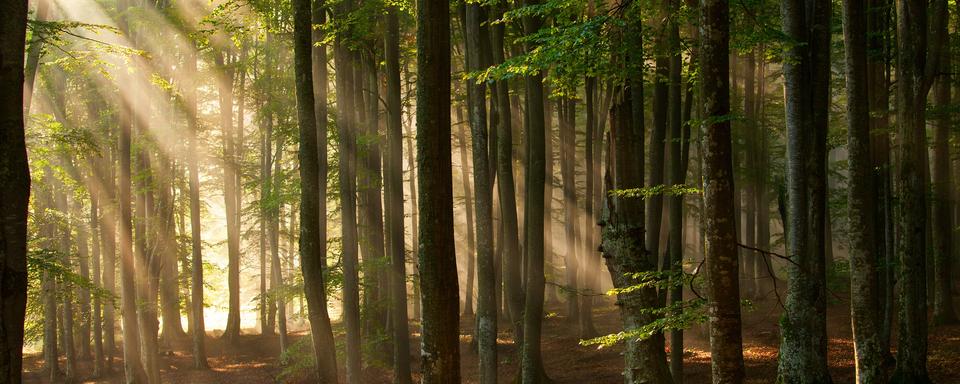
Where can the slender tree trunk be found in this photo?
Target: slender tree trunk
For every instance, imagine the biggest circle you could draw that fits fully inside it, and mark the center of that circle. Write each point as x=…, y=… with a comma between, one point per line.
x=437, y=257
x=568, y=173
x=511, y=256
x=536, y=217
x=676, y=177
x=878, y=25
x=347, y=127
x=196, y=243
x=224, y=67
x=486, y=332
x=864, y=292
x=590, y=261
x=96, y=316
x=312, y=246
x=48, y=287
x=83, y=253
x=468, y=210
x=943, y=225
x=803, y=350
x=726, y=346
x=393, y=185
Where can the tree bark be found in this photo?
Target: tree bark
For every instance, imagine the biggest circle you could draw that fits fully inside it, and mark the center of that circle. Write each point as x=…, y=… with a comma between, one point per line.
x=723, y=304
x=943, y=226
x=864, y=284
x=393, y=185
x=916, y=66
x=312, y=246
x=196, y=243
x=803, y=350
x=440, y=352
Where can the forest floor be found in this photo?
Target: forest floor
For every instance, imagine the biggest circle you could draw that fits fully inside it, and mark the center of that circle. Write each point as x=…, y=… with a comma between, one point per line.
x=255, y=359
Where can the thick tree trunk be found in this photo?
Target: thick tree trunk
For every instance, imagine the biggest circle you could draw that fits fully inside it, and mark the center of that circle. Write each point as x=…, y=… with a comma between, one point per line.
x=864, y=284
x=623, y=241
x=723, y=305
x=676, y=177
x=803, y=350
x=440, y=350
x=916, y=66
x=312, y=246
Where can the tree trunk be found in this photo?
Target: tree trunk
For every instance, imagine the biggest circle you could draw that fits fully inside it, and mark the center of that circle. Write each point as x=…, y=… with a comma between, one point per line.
x=723, y=304
x=83, y=253
x=312, y=246
x=803, y=350
x=347, y=127
x=196, y=243
x=568, y=131
x=440, y=350
x=943, y=226
x=677, y=176
x=486, y=328
x=468, y=210
x=511, y=256
x=623, y=239
x=393, y=185
x=590, y=260
x=225, y=73
x=916, y=67
x=536, y=217
x=96, y=316
x=864, y=292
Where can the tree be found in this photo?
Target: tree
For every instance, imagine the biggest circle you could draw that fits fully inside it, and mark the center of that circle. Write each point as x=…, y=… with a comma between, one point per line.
x=803, y=349
x=917, y=63
x=723, y=284
x=347, y=110
x=311, y=245
x=506, y=190
x=440, y=352
x=531, y=361
x=393, y=184
x=196, y=243
x=224, y=76
x=864, y=284
x=943, y=225
x=483, y=187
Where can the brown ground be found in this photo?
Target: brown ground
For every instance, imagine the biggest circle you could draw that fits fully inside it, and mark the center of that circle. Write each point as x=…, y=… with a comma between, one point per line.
x=255, y=361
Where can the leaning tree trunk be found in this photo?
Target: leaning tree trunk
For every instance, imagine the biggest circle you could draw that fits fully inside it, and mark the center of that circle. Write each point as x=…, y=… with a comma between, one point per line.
x=723, y=291
x=312, y=246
